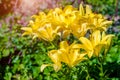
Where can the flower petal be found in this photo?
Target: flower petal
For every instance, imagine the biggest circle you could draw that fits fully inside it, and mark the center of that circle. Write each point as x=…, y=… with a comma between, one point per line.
x=86, y=43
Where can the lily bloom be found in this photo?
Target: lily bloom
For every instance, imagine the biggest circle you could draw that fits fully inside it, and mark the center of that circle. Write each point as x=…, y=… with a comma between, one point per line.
x=94, y=21
x=96, y=42
x=68, y=54
x=47, y=33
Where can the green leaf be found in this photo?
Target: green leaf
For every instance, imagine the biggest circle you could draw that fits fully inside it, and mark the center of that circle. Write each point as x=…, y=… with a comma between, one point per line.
x=8, y=76
x=16, y=59
x=6, y=52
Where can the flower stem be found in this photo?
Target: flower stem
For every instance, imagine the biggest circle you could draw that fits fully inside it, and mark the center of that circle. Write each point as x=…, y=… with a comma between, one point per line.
x=52, y=46
x=101, y=74
x=68, y=73
x=87, y=70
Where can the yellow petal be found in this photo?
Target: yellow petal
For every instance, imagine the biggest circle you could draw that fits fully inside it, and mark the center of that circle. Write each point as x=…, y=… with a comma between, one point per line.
x=26, y=33
x=81, y=10
x=80, y=58
x=88, y=9
x=108, y=45
x=58, y=10
x=103, y=34
x=73, y=56
x=28, y=29
x=105, y=23
x=104, y=39
x=49, y=30
x=57, y=67
x=97, y=49
x=86, y=43
x=63, y=45
x=96, y=37
x=54, y=55
x=90, y=53
x=64, y=56
x=66, y=33
x=68, y=9
x=76, y=46
x=44, y=66
x=43, y=34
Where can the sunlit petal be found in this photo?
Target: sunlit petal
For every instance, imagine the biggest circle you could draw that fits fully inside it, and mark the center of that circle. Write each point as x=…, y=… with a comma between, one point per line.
x=81, y=10
x=86, y=43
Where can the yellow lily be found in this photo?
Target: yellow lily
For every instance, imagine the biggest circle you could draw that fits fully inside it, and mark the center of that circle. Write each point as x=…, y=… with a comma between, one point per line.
x=87, y=45
x=68, y=16
x=84, y=12
x=62, y=18
x=79, y=30
x=54, y=56
x=99, y=24
x=69, y=20
x=95, y=21
x=96, y=42
x=39, y=21
x=47, y=33
x=69, y=54
x=54, y=16
x=108, y=41
x=30, y=31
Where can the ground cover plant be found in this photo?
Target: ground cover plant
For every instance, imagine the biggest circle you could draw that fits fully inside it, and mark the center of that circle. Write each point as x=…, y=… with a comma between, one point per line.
x=64, y=43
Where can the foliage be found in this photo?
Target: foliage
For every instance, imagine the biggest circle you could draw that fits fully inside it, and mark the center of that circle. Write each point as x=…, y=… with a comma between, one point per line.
x=104, y=6
x=30, y=54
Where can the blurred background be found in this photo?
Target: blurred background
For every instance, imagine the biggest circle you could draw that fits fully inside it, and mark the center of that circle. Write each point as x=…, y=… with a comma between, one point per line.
x=22, y=9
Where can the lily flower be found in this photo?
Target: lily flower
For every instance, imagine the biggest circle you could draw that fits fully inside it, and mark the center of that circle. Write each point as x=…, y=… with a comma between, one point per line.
x=54, y=56
x=96, y=42
x=30, y=30
x=33, y=26
x=95, y=21
x=47, y=33
x=68, y=54
x=79, y=30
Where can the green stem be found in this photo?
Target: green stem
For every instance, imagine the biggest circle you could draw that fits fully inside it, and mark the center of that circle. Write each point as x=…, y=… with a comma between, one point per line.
x=52, y=46
x=101, y=71
x=68, y=73
x=88, y=76
x=100, y=62
x=87, y=70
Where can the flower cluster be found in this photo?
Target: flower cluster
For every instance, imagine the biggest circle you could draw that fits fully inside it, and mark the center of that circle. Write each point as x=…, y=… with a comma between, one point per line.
x=69, y=54
x=69, y=20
